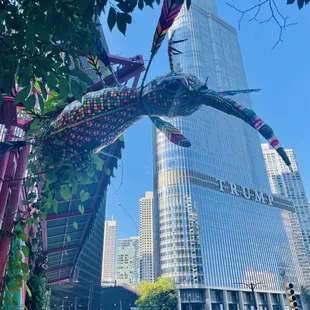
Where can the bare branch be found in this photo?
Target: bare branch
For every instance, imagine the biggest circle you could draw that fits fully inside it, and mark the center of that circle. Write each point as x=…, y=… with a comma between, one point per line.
x=276, y=16
x=246, y=11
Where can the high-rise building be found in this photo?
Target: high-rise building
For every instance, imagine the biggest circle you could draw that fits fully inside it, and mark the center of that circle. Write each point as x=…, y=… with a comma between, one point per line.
x=286, y=183
x=109, y=252
x=128, y=266
x=216, y=222
x=147, y=272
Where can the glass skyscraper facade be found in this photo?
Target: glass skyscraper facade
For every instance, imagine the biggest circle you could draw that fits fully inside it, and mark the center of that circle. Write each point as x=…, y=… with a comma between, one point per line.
x=216, y=223
x=128, y=262
x=286, y=183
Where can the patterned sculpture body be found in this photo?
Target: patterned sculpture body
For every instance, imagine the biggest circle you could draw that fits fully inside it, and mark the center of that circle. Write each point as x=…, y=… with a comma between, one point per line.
x=104, y=115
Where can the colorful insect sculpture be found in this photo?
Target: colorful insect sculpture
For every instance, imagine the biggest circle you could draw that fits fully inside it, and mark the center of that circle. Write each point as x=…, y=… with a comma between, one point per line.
x=102, y=116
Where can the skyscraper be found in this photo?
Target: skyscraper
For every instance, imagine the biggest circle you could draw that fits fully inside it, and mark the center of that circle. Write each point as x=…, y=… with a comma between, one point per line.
x=147, y=272
x=128, y=264
x=216, y=222
x=109, y=252
x=289, y=184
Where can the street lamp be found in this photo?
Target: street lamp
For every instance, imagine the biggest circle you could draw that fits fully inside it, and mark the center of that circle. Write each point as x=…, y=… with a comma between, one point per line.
x=252, y=286
x=76, y=300
x=90, y=294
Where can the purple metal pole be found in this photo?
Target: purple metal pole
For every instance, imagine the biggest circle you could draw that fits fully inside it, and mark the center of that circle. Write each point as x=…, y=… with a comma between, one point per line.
x=5, y=187
x=11, y=212
x=5, y=157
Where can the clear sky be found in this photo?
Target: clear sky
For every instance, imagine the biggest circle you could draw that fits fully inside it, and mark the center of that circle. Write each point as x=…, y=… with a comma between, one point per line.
x=283, y=74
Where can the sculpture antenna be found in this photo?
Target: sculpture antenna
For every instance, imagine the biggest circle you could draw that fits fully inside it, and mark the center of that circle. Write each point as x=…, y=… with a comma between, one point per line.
x=169, y=12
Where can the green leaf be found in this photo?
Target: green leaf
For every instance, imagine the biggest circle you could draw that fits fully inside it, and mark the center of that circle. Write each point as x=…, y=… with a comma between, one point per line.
x=84, y=195
x=55, y=206
x=74, y=188
x=22, y=95
x=122, y=20
x=111, y=18
x=45, y=48
x=42, y=33
x=43, y=90
x=2, y=16
x=30, y=102
x=98, y=162
x=91, y=172
x=75, y=225
x=24, y=267
x=65, y=192
x=41, y=103
x=18, y=256
x=140, y=4
x=25, y=250
x=82, y=76
x=81, y=209
x=23, y=236
x=24, y=80
x=126, y=7
x=30, y=37
x=121, y=138
x=76, y=90
x=44, y=214
x=6, y=80
x=69, y=238
x=108, y=171
x=63, y=69
x=63, y=87
x=35, y=125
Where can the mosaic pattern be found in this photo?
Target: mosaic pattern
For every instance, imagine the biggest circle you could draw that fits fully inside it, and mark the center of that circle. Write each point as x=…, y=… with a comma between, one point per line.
x=104, y=115
x=169, y=12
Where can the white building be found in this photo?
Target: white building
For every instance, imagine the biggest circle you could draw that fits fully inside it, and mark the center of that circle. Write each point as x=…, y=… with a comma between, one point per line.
x=109, y=252
x=128, y=266
x=146, y=238
x=289, y=184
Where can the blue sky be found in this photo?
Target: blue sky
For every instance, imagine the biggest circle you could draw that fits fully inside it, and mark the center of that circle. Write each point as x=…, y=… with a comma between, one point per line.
x=283, y=74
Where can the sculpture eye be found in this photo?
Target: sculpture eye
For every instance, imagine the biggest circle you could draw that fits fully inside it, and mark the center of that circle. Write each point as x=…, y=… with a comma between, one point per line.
x=203, y=89
x=172, y=87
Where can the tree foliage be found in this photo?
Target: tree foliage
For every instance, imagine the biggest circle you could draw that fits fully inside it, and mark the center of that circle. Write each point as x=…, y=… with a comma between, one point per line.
x=158, y=295
x=40, y=40
x=38, y=293
x=40, y=45
x=300, y=3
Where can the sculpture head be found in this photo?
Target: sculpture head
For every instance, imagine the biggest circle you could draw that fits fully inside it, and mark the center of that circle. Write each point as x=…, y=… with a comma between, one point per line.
x=174, y=94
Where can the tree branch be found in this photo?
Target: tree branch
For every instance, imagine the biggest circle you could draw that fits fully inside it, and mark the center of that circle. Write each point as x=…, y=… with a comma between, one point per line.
x=276, y=16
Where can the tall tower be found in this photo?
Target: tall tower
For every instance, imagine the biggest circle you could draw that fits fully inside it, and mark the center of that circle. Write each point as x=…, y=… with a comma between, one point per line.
x=289, y=184
x=147, y=272
x=216, y=222
x=128, y=267
x=109, y=252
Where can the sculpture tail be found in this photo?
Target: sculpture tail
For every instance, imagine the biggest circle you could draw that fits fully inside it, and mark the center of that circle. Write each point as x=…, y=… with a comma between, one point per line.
x=8, y=146
x=264, y=129
x=229, y=106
